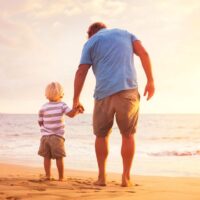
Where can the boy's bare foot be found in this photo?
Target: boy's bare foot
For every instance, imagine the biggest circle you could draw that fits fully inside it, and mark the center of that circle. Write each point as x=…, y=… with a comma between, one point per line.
x=100, y=182
x=126, y=182
x=62, y=179
x=45, y=178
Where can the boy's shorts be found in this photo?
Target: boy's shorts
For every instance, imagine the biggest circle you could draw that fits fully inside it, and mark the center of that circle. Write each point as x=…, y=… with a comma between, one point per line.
x=52, y=147
x=124, y=105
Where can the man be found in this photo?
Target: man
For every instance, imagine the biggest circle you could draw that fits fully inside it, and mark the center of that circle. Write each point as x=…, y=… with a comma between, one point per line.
x=110, y=53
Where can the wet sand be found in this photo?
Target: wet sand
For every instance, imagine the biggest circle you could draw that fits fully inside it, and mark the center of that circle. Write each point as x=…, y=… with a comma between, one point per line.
x=21, y=182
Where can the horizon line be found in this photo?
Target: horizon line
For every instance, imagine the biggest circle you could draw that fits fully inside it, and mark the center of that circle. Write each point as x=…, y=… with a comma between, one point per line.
x=161, y=113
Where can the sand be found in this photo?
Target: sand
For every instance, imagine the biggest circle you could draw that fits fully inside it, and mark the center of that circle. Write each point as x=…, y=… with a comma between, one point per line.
x=21, y=182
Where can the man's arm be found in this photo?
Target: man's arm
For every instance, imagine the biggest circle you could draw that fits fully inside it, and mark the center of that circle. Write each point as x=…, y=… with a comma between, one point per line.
x=79, y=80
x=140, y=51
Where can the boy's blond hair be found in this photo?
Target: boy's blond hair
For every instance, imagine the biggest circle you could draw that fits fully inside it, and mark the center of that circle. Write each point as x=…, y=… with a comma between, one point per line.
x=54, y=91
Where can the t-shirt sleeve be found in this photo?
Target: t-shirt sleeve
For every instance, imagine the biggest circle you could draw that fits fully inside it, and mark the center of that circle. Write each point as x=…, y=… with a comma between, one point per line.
x=86, y=55
x=133, y=37
x=66, y=109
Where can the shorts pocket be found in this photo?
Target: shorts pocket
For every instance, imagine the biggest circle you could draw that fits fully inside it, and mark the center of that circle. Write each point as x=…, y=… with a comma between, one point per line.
x=130, y=95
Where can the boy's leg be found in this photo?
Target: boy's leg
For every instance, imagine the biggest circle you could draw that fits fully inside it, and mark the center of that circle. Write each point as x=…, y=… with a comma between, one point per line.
x=58, y=152
x=47, y=167
x=60, y=166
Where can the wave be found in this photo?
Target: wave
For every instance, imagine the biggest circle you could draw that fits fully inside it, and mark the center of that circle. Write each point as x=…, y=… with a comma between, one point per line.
x=176, y=153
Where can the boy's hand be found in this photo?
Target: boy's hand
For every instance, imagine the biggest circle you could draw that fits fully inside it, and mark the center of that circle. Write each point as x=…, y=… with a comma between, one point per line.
x=80, y=109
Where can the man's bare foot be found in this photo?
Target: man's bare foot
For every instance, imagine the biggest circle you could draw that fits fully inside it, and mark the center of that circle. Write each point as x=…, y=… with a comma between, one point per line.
x=100, y=182
x=126, y=182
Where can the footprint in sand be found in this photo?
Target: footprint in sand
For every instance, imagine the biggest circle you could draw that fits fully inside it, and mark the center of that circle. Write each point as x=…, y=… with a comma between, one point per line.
x=24, y=183
x=37, y=188
x=87, y=182
x=112, y=191
x=35, y=181
x=46, y=182
x=71, y=188
x=131, y=191
x=13, y=198
x=83, y=182
x=40, y=189
x=81, y=191
x=80, y=182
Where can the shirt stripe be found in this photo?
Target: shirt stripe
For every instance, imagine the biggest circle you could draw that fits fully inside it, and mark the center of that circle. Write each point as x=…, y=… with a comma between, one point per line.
x=51, y=114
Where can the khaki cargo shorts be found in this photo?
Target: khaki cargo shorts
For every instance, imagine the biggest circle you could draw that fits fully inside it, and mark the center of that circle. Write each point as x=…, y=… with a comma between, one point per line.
x=52, y=147
x=124, y=106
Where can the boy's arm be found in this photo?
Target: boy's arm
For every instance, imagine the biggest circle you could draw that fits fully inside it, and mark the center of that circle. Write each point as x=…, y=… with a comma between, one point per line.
x=40, y=119
x=73, y=112
x=40, y=123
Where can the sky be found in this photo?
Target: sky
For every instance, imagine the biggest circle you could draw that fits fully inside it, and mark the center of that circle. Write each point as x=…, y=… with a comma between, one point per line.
x=41, y=41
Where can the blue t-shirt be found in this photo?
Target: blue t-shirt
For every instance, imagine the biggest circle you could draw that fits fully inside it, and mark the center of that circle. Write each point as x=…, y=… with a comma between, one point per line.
x=110, y=53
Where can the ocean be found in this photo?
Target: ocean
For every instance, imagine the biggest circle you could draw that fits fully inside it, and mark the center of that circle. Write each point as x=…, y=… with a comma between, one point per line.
x=166, y=144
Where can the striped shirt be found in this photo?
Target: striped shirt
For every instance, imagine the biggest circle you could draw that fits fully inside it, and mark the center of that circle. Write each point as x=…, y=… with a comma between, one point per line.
x=51, y=115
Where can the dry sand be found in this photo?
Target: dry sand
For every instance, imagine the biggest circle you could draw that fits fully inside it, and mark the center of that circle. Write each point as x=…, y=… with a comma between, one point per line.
x=20, y=182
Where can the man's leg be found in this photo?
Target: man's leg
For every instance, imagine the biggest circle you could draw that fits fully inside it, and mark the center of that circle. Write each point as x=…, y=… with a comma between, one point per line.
x=127, y=152
x=102, y=148
x=127, y=108
x=47, y=167
x=60, y=166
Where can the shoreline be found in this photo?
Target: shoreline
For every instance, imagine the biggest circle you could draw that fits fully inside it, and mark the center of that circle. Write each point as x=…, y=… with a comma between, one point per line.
x=23, y=182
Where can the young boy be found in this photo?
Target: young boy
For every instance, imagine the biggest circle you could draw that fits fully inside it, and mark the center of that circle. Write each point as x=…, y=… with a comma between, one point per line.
x=51, y=121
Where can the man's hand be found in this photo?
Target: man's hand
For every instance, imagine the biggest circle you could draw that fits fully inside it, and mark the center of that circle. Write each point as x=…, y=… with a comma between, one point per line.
x=146, y=64
x=149, y=89
x=78, y=105
x=80, y=108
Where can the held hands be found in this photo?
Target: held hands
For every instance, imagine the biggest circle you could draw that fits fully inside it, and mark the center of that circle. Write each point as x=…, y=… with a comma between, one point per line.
x=78, y=107
x=149, y=89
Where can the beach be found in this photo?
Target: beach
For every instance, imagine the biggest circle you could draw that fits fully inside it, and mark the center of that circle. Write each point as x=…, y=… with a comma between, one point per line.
x=61, y=61
x=165, y=167
x=22, y=182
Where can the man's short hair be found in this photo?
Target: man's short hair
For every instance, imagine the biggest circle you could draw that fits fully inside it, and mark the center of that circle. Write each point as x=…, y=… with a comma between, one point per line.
x=95, y=27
